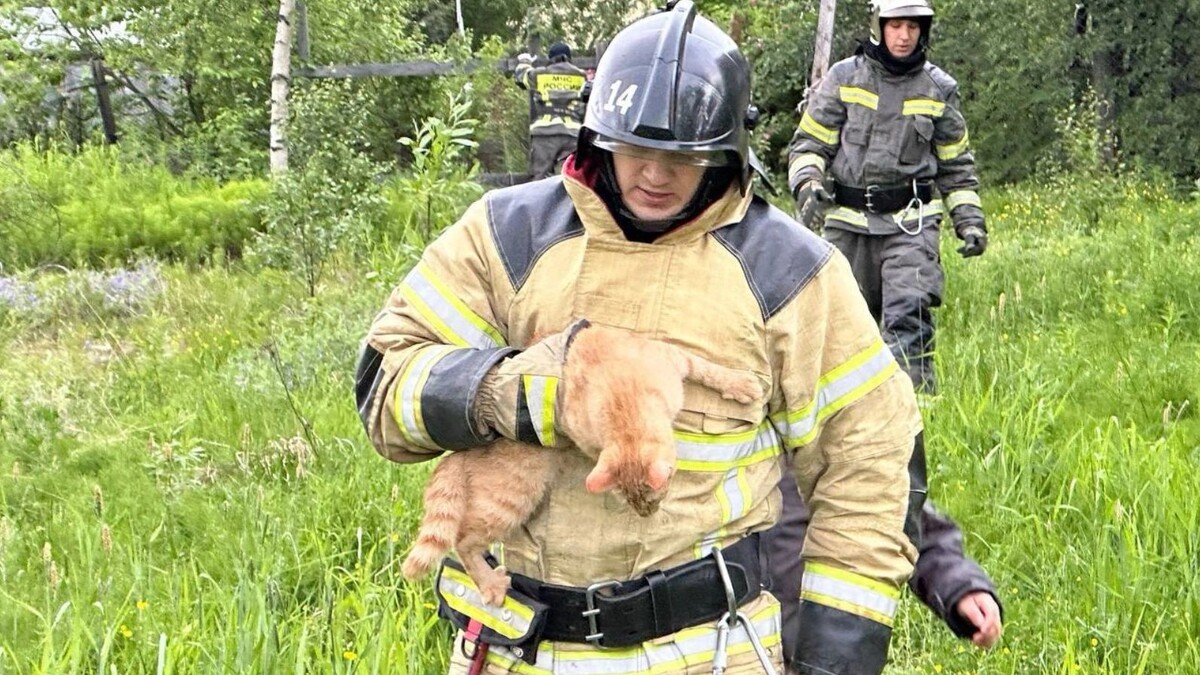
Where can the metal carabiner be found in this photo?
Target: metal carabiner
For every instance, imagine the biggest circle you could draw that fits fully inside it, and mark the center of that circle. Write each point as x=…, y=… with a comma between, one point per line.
x=719, y=657
x=920, y=213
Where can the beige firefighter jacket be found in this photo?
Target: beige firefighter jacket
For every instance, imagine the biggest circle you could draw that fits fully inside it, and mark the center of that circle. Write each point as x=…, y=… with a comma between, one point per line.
x=744, y=286
x=865, y=126
x=555, y=107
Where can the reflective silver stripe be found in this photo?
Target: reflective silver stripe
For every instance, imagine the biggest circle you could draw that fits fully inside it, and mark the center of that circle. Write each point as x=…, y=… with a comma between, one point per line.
x=407, y=399
x=445, y=313
x=818, y=131
x=949, y=151
x=733, y=495
x=837, y=389
x=923, y=106
x=848, y=215
x=512, y=620
x=909, y=214
x=721, y=452
x=960, y=197
x=860, y=96
x=540, y=395
x=803, y=162
x=849, y=592
x=687, y=648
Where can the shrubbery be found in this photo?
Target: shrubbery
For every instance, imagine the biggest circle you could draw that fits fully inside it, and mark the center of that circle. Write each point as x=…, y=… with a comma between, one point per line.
x=95, y=207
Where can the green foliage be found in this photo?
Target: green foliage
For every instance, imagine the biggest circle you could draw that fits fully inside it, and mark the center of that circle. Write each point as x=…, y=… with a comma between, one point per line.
x=156, y=500
x=329, y=197
x=97, y=207
x=440, y=180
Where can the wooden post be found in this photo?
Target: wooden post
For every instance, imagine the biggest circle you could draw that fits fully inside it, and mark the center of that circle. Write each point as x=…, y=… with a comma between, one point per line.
x=281, y=78
x=823, y=44
x=302, y=46
x=102, y=99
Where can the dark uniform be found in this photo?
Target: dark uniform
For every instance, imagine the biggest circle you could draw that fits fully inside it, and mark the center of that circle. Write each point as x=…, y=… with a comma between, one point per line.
x=890, y=135
x=555, y=110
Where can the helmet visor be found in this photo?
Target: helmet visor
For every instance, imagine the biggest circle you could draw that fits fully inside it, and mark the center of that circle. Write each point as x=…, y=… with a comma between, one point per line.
x=704, y=158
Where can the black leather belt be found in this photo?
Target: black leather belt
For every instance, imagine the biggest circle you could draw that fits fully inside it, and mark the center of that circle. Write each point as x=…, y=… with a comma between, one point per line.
x=627, y=613
x=882, y=198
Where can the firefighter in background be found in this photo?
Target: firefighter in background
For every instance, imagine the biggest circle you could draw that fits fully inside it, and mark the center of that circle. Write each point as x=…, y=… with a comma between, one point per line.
x=884, y=125
x=555, y=108
x=654, y=226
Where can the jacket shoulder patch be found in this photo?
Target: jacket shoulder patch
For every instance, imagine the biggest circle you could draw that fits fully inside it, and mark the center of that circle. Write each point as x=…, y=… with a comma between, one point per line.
x=778, y=255
x=527, y=220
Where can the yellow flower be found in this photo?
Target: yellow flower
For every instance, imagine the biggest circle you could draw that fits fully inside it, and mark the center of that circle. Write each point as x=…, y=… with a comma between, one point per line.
x=395, y=537
x=124, y=631
x=937, y=668
x=142, y=604
x=1095, y=642
x=349, y=655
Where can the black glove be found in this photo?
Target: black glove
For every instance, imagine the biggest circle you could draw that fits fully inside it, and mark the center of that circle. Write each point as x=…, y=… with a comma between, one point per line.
x=812, y=199
x=974, y=241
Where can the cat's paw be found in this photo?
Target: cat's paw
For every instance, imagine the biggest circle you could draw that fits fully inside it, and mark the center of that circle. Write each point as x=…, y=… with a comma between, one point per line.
x=495, y=587
x=743, y=388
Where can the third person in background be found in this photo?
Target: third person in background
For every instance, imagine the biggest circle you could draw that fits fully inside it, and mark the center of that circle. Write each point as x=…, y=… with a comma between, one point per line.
x=555, y=109
x=884, y=125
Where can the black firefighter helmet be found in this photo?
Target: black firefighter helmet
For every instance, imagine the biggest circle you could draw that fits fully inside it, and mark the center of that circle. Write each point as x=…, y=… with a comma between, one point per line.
x=673, y=81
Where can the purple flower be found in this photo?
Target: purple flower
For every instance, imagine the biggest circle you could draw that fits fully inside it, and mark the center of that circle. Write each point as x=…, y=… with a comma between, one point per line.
x=18, y=295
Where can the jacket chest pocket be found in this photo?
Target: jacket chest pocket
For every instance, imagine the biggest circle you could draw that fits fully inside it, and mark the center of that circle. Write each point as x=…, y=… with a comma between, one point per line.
x=917, y=140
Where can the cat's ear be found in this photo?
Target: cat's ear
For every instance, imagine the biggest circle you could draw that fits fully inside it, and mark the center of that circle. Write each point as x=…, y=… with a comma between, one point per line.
x=658, y=475
x=602, y=477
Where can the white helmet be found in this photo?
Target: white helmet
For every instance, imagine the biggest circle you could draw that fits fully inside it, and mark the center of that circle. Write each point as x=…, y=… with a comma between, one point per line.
x=882, y=10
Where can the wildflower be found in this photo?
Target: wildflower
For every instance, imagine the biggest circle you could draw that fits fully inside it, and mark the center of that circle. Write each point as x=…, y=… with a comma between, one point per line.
x=349, y=655
x=142, y=604
x=1095, y=642
x=105, y=538
x=937, y=667
x=98, y=500
x=125, y=631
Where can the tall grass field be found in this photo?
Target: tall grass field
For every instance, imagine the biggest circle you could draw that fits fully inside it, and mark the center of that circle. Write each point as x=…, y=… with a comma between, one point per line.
x=185, y=486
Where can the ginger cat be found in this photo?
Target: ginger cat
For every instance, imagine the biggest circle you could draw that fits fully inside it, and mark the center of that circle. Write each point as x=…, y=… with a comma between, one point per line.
x=620, y=394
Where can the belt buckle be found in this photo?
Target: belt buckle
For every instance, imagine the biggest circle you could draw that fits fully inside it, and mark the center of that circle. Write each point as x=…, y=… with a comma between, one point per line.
x=594, y=635
x=869, y=197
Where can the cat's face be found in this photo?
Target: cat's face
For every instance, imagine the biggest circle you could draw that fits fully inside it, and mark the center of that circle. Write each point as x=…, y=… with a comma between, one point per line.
x=639, y=475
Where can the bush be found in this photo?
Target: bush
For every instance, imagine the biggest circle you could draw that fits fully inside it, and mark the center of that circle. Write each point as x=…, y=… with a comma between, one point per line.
x=96, y=208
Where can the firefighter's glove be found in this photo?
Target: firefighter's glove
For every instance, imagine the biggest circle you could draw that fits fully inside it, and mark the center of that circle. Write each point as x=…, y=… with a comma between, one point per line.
x=812, y=200
x=517, y=398
x=524, y=58
x=974, y=241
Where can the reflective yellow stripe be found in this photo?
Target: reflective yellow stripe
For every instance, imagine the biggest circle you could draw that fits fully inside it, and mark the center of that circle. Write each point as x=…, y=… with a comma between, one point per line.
x=449, y=316
x=512, y=619
x=949, y=151
x=960, y=197
x=847, y=215
x=689, y=648
x=860, y=96
x=551, y=120
x=818, y=131
x=722, y=452
x=923, y=106
x=849, y=592
x=540, y=394
x=837, y=389
x=406, y=403
x=803, y=162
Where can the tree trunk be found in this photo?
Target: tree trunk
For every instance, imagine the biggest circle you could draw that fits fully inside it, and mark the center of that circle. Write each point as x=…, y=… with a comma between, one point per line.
x=281, y=79
x=823, y=44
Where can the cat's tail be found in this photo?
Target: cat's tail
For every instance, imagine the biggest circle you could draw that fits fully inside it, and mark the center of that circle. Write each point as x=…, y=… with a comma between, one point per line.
x=445, y=504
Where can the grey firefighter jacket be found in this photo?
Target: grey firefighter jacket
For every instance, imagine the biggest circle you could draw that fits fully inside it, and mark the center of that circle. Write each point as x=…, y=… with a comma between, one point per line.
x=555, y=107
x=742, y=285
x=865, y=126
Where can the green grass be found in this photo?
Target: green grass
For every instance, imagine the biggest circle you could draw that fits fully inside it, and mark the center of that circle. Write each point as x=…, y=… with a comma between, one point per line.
x=164, y=508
